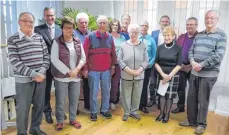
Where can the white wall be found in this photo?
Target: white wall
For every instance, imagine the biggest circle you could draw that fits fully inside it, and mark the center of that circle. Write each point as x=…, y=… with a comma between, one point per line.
x=37, y=7
x=113, y=9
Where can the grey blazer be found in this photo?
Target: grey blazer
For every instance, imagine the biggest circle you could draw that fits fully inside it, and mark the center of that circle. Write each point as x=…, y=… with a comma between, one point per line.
x=134, y=57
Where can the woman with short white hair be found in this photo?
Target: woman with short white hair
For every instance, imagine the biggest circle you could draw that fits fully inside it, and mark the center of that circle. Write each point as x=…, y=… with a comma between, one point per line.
x=133, y=61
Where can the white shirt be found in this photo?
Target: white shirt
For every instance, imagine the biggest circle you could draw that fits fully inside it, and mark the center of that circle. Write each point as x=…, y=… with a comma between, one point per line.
x=51, y=30
x=160, y=38
x=21, y=35
x=73, y=58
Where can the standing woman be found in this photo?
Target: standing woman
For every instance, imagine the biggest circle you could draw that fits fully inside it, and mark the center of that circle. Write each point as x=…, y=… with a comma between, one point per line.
x=133, y=60
x=167, y=63
x=67, y=57
x=114, y=28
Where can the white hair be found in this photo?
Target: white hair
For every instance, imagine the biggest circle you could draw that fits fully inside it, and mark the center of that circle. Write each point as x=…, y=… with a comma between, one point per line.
x=134, y=27
x=144, y=21
x=215, y=11
x=101, y=17
x=82, y=15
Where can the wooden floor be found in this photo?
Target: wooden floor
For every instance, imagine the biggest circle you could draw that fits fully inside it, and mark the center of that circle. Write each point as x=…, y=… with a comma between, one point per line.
x=115, y=126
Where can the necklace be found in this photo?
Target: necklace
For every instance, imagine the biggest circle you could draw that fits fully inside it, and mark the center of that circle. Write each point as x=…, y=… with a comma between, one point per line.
x=169, y=46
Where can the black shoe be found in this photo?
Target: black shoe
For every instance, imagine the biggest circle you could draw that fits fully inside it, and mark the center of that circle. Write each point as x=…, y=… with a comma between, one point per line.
x=65, y=117
x=33, y=132
x=106, y=114
x=144, y=110
x=166, y=119
x=159, y=118
x=49, y=119
x=93, y=117
x=178, y=110
x=78, y=112
x=151, y=103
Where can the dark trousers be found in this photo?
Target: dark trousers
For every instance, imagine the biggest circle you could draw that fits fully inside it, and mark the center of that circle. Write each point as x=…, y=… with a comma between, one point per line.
x=27, y=94
x=115, y=83
x=152, y=86
x=144, y=95
x=47, y=106
x=86, y=93
x=198, y=99
x=184, y=76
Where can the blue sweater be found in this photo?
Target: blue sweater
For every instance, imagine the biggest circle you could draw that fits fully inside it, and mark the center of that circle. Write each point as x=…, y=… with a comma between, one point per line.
x=80, y=35
x=151, y=48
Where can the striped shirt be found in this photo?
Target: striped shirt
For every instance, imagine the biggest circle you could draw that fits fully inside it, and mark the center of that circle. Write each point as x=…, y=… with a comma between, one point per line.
x=208, y=50
x=28, y=56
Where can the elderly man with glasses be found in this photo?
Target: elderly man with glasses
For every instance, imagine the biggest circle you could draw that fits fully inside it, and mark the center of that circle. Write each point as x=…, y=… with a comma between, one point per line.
x=29, y=57
x=205, y=56
x=101, y=60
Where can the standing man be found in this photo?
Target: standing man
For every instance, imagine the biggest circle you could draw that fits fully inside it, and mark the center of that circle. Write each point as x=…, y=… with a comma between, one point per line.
x=205, y=56
x=49, y=31
x=185, y=41
x=99, y=47
x=81, y=32
x=125, y=21
x=28, y=54
x=159, y=40
x=157, y=34
x=151, y=51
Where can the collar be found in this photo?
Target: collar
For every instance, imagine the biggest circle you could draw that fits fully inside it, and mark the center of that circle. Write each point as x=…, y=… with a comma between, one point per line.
x=98, y=34
x=160, y=31
x=81, y=32
x=50, y=26
x=205, y=31
x=123, y=31
x=141, y=36
x=21, y=34
x=192, y=36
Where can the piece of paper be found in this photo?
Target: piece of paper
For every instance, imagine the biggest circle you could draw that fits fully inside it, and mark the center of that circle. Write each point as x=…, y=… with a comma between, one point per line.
x=162, y=88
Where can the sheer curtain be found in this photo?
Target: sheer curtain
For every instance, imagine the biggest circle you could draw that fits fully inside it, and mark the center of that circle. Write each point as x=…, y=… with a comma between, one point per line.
x=151, y=11
x=179, y=11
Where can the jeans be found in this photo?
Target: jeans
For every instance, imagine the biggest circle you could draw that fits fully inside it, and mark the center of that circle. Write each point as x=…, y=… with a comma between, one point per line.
x=94, y=79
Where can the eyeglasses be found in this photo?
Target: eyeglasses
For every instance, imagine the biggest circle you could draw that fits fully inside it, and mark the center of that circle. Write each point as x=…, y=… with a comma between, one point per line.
x=190, y=24
x=83, y=23
x=68, y=28
x=211, y=18
x=49, y=15
x=114, y=24
x=165, y=21
x=27, y=21
x=102, y=23
x=144, y=26
x=134, y=33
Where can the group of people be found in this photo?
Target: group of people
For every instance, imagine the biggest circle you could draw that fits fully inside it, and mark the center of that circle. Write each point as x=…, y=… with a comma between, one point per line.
x=122, y=60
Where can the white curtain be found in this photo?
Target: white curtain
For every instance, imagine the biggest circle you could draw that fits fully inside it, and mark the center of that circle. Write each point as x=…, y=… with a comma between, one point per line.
x=152, y=10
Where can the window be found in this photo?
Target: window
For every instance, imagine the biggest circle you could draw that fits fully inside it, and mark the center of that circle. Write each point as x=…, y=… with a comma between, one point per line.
x=142, y=10
x=10, y=22
x=6, y=5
